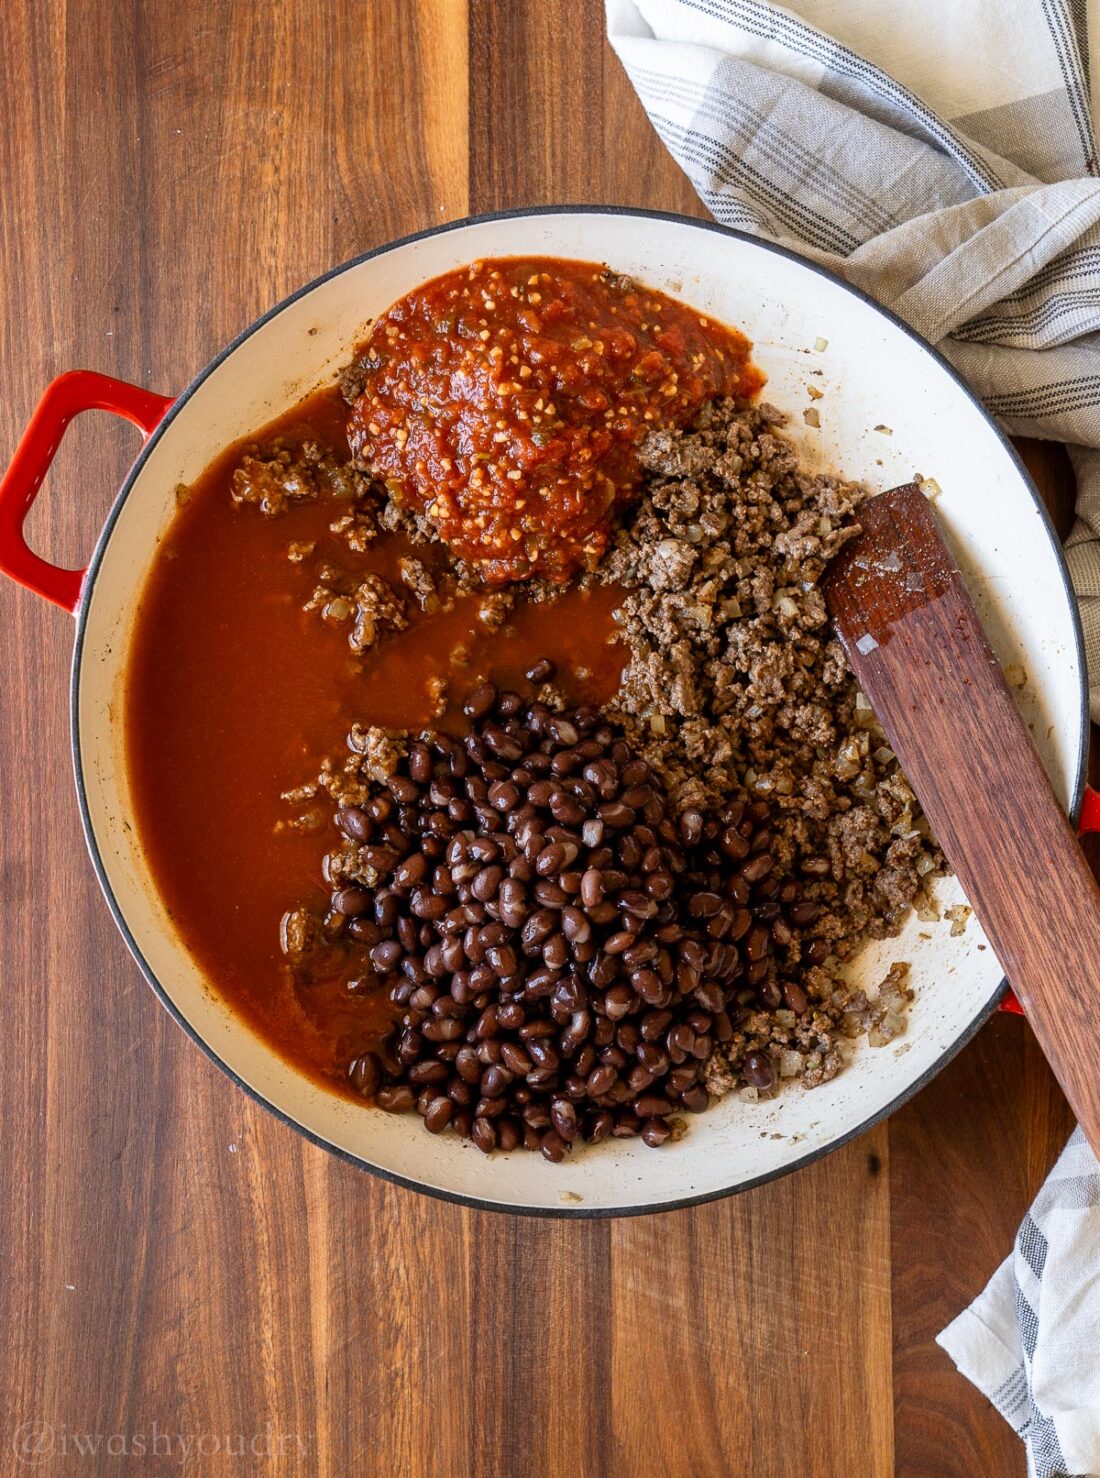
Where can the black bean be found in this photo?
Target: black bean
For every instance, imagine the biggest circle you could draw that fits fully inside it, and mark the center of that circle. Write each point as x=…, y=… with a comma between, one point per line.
x=555, y=952
x=479, y=701
x=704, y=905
x=695, y=1099
x=618, y=1002
x=502, y=958
x=403, y=789
x=563, y=1116
x=351, y=901
x=795, y=997
x=354, y=823
x=396, y=1100
x=515, y=1059
x=508, y=1134
x=484, y=1135
x=758, y=943
x=428, y=905
x=803, y=913
x=567, y=809
x=769, y=990
x=553, y=1147
x=504, y=795
x=759, y=1070
x=756, y=868
x=429, y=1071
x=617, y=816
x=365, y=1074
x=494, y=1081
x=438, y=1115
x=742, y=920
x=412, y=870
x=445, y=1029
x=486, y=883
x=637, y=903
x=542, y=671
x=420, y=763
x=652, y=1058
x=542, y=1053
x=600, y=1080
x=491, y=909
x=549, y=894
x=385, y=956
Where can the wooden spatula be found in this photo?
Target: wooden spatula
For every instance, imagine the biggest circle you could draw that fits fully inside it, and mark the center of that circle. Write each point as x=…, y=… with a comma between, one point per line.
x=919, y=651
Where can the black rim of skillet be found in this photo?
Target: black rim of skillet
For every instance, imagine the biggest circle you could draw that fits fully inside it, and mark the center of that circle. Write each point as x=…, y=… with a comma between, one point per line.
x=534, y=212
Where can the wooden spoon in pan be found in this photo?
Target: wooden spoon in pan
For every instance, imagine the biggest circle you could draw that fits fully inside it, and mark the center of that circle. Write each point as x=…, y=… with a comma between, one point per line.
x=919, y=651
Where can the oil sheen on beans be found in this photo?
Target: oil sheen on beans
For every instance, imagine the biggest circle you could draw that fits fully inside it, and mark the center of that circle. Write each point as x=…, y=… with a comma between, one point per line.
x=235, y=695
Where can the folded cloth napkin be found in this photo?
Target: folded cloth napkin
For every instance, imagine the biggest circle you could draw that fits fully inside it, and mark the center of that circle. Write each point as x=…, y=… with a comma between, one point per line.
x=940, y=155
x=1029, y=1342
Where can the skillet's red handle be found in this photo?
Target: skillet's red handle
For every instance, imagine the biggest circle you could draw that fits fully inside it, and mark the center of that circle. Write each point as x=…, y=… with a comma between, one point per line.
x=64, y=398
x=1089, y=822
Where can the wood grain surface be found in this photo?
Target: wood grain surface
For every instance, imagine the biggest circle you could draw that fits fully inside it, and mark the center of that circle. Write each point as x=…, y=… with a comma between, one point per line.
x=187, y=1282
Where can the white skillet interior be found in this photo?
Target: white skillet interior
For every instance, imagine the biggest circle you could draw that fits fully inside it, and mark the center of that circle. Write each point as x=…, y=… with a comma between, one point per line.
x=872, y=374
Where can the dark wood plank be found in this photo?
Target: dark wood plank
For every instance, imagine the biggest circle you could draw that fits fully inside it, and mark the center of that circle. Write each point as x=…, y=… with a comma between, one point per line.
x=553, y=117
x=753, y=1335
x=967, y=1156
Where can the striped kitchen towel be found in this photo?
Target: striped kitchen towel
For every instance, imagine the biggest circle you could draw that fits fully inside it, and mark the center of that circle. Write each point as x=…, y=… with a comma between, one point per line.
x=938, y=154
x=1030, y=1341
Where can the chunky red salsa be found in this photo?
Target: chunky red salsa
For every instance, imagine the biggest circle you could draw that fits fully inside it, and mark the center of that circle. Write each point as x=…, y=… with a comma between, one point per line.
x=505, y=400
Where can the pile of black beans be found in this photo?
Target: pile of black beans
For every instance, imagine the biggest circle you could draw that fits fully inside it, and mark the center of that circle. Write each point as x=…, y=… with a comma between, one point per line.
x=563, y=951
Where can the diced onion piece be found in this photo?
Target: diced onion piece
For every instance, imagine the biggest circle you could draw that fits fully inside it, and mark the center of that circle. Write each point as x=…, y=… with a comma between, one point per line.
x=883, y=1032
x=790, y=1064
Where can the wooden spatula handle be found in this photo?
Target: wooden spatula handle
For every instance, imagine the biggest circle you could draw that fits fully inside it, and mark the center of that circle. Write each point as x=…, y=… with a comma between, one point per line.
x=919, y=650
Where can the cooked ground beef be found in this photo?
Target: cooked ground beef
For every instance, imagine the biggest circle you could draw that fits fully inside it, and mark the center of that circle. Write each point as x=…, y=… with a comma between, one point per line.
x=367, y=605
x=736, y=682
x=418, y=579
x=285, y=474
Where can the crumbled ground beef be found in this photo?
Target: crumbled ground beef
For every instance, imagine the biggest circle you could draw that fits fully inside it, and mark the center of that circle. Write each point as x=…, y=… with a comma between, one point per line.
x=378, y=610
x=418, y=579
x=286, y=474
x=358, y=528
x=737, y=686
x=367, y=604
x=493, y=609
